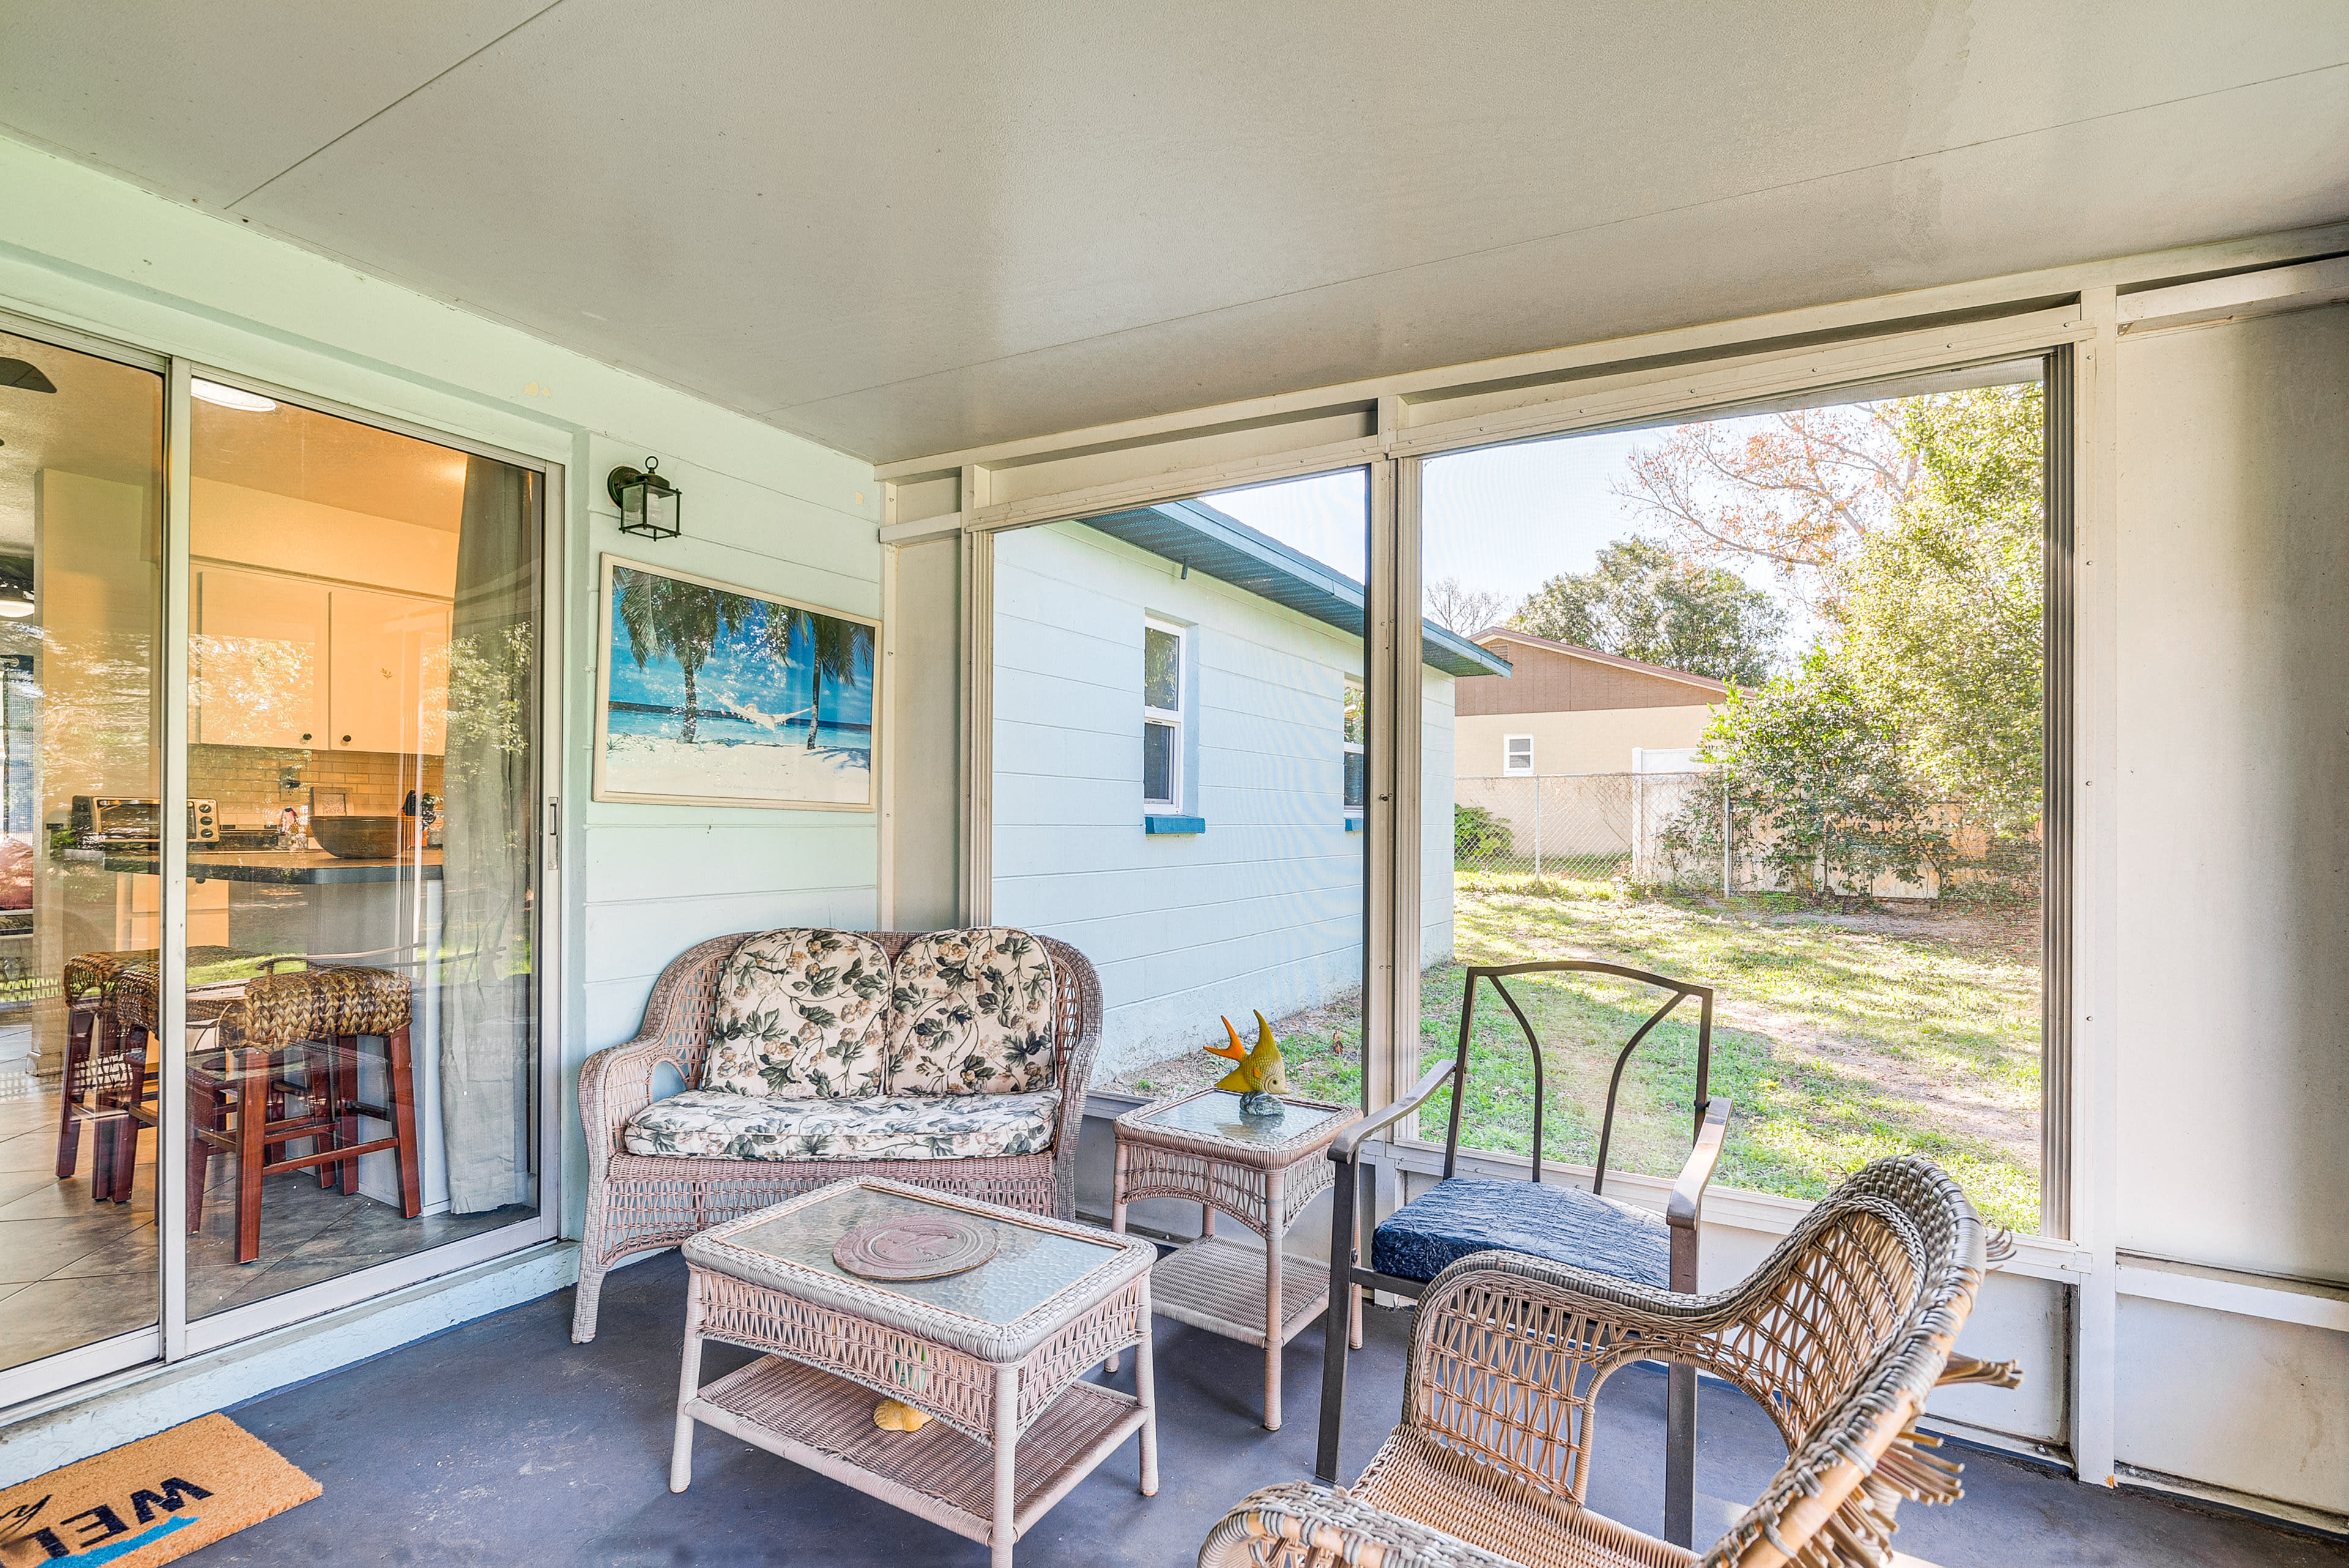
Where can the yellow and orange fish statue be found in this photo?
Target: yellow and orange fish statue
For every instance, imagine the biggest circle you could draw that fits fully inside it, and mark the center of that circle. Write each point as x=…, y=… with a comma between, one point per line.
x=1260, y=1074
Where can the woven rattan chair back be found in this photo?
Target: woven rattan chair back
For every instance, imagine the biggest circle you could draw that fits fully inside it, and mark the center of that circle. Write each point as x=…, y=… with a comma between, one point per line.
x=1839, y=1336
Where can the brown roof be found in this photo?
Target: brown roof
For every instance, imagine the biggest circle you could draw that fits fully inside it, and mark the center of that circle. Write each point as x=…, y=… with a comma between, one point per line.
x=1704, y=683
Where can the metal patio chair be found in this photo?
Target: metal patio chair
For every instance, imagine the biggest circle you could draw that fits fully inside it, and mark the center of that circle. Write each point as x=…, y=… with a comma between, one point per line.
x=1464, y=1215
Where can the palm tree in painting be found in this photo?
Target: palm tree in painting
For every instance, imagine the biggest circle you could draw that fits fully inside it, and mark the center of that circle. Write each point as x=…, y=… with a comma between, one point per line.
x=837, y=650
x=681, y=619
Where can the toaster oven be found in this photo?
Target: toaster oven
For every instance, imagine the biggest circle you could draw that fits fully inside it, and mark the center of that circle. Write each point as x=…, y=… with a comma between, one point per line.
x=118, y=817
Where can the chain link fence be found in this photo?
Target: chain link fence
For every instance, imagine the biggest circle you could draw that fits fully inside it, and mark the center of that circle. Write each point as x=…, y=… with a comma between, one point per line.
x=1580, y=827
x=1616, y=828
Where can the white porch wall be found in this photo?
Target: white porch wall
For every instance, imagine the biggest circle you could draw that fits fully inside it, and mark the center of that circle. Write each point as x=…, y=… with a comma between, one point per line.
x=1261, y=912
x=765, y=509
x=2233, y=698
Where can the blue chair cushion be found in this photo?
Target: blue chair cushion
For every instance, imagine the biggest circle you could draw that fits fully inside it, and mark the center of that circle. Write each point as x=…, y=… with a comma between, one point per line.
x=1564, y=1224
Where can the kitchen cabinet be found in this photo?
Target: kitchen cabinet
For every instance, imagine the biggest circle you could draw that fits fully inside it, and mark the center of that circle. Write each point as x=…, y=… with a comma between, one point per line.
x=258, y=660
x=387, y=673
x=283, y=662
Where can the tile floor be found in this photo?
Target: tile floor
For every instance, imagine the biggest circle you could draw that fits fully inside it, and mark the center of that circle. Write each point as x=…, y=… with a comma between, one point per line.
x=73, y=1271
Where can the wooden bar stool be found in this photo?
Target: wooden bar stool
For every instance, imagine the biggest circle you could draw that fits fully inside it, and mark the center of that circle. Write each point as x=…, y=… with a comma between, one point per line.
x=281, y=1018
x=89, y=982
x=126, y=1103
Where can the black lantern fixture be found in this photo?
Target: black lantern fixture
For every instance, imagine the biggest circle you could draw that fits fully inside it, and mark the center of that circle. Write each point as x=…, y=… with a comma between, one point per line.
x=648, y=503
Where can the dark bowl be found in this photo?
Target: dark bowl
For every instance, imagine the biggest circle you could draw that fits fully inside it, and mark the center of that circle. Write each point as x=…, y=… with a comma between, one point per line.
x=358, y=837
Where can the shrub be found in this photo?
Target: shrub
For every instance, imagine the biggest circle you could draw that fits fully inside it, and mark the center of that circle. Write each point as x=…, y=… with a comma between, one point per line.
x=1478, y=835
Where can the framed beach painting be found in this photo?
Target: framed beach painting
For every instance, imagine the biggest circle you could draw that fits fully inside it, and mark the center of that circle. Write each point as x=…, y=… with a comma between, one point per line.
x=711, y=694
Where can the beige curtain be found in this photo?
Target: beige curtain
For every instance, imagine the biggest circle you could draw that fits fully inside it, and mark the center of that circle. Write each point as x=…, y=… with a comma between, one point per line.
x=490, y=778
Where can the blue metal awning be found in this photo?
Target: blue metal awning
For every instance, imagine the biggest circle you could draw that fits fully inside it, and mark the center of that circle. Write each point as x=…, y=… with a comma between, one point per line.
x=1196, y=536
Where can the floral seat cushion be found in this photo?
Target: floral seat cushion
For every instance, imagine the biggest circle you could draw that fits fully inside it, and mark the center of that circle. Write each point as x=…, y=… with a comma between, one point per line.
x=901, y=1126
x=972, y=1015
x=800, y=1014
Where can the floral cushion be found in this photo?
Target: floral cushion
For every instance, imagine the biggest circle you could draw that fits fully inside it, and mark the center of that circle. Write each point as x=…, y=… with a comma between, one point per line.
x=902, y=1126
x=972, y=1015
x=801, y=1015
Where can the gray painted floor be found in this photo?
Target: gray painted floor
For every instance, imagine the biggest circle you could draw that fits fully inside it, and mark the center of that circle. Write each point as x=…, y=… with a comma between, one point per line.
x=501, y=1442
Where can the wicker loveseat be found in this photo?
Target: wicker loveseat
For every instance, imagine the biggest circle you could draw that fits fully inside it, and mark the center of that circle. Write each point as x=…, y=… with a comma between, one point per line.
x=936, y=1110
x=1839, y=1336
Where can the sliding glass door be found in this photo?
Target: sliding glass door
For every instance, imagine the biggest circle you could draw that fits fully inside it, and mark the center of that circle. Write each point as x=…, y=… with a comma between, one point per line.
x=329, y=1043
x=81, y=598
x=361, y=1032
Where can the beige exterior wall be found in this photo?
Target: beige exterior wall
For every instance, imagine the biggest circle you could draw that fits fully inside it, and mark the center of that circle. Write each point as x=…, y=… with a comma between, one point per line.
x=1597, y=742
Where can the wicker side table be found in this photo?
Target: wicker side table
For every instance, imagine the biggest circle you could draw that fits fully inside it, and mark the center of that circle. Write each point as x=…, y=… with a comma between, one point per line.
x=996, y=1356
x=1263, y=1174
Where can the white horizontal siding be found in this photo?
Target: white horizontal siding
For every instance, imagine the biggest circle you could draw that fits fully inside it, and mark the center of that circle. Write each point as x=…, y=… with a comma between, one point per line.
x=1264, y=909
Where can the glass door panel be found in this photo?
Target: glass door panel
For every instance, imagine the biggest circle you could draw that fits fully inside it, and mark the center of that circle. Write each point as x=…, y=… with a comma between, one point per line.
x=362, y=1052
x=81, y=507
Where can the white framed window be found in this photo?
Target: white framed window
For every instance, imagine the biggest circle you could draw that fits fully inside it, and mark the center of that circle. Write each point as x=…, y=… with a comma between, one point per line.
x=1357, y=760
x=1162, y=715
x=1517, y=754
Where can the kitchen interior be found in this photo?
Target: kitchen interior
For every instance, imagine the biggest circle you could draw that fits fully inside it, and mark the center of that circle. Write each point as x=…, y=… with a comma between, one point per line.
x=322, y=584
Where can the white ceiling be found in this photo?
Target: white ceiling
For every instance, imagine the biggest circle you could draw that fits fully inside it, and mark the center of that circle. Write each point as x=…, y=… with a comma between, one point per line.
x=905, y=227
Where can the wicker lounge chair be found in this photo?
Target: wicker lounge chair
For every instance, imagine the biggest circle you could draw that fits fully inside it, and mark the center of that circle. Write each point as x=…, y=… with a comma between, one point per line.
x=1462, y=1215
x=1839, y=1336
x=639, y=1201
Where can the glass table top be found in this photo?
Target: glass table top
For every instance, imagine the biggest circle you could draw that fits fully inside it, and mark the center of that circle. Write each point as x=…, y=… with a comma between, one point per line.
x=1029, y=1267
x=1217, y=1112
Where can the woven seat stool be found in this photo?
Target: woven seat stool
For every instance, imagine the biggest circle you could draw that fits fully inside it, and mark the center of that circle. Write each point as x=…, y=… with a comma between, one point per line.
x=89, y=983
x=124, y=1112
x=238, y=1091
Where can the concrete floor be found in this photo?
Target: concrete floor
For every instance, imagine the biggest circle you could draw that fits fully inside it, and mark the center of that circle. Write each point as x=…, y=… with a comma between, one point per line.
x=501, y=1442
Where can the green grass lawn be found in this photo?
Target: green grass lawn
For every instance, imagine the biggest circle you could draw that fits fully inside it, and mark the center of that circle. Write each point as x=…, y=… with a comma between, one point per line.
x=1838, y=1042
x=1840, y=1038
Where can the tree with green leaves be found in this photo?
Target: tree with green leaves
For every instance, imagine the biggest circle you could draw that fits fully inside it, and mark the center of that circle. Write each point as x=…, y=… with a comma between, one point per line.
x=1939, y=611
x=839, y=651
x=682, y=619
x=1640, y=601
x=1818, y=787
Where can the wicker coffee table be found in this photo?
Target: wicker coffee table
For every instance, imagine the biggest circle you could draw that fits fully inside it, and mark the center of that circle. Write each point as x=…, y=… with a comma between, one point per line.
x=1262, y=1174
x=996, y=1354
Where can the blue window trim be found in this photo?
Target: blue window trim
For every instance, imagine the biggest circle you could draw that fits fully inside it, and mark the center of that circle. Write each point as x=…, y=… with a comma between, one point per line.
x=1156, y=825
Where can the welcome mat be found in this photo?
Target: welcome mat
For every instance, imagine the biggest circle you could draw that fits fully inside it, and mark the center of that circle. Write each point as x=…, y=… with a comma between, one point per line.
x=149, y=1502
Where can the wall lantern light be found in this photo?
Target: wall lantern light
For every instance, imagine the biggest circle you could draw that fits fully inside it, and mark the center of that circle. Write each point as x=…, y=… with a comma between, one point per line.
x=648, y=503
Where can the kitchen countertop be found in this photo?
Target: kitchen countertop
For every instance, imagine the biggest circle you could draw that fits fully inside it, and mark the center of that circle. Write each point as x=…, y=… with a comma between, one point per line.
x=308, y=867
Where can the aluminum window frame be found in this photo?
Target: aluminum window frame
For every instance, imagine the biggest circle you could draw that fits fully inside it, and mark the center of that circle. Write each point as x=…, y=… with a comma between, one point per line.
x=1171, y=719
x=2070, y=315
x=1509, y=770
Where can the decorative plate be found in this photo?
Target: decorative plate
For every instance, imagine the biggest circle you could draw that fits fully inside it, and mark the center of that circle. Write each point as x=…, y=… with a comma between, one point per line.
x=910, y=1247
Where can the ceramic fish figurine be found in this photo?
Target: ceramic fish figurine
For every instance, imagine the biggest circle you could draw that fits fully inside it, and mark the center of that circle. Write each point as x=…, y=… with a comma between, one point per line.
x=895, y=1416
x=1260, y=1075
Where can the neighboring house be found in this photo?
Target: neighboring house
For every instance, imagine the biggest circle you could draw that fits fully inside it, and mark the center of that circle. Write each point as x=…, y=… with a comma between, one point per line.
x=1178, y=769
x=1570, y=709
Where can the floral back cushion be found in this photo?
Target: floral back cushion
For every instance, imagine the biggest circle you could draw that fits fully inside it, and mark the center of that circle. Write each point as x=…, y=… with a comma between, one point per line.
x=972, y=1015
x=801, y=1015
